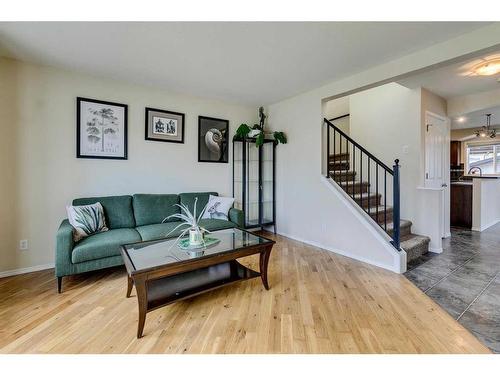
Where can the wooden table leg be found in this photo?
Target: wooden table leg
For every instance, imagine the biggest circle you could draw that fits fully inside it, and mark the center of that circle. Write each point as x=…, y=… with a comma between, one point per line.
x=130, y=283
x=263, y=262
x=142, y=299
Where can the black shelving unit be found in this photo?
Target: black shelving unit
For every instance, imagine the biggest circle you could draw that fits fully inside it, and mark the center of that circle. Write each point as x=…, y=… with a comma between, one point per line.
x=254, y=187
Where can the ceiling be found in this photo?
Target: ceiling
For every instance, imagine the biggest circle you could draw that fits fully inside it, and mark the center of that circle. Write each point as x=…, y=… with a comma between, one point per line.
x=246, y=62
x=477, y=119
x=456, y=79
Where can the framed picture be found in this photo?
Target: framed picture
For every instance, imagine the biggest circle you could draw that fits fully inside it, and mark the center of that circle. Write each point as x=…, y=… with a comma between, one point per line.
x=212, y=140
x=164, y=126
x=101, y=129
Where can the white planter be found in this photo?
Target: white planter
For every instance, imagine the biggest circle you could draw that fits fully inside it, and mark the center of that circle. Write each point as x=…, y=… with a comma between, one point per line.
x=254, y=133
x=195, y=237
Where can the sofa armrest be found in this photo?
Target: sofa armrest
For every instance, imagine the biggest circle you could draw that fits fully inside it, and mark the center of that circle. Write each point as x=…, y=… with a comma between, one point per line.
x=64, y=247
x=237, y=216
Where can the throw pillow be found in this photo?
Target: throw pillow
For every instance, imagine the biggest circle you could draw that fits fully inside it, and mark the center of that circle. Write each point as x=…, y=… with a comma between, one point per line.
x=86, y=220
x=218, y=208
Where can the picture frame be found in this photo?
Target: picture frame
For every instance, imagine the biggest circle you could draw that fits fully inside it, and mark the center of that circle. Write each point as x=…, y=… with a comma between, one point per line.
x=164, y=126
x=101, y=129
x=213, y=143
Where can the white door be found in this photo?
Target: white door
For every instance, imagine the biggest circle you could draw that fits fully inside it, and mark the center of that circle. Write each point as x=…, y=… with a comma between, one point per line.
x=437, y=162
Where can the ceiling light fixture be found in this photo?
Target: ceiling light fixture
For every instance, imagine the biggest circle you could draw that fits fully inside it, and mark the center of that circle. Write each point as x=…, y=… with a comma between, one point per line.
x=487, y=68
x=485, y=130
x=461, y=119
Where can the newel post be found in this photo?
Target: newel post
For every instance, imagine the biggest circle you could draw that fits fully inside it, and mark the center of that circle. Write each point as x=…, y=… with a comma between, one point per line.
x=397, y=206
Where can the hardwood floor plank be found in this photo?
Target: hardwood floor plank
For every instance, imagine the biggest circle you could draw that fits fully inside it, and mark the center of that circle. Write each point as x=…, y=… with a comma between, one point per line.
x=319, y=302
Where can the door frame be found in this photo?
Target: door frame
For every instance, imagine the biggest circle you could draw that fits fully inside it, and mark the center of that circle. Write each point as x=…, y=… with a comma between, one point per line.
x=445, y=219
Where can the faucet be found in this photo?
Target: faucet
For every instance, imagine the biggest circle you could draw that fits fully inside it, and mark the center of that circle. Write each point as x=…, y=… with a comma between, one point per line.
x=474, y=168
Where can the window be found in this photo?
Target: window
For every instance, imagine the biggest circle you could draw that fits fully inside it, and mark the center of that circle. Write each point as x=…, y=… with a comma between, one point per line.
x=484, y=156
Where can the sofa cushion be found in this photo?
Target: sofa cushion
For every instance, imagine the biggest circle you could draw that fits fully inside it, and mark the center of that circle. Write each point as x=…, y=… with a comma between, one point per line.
x=117, y=209
x=153, y=208
x=103, y=245
x=188, y=200
x=158, y=231
x=216, y=224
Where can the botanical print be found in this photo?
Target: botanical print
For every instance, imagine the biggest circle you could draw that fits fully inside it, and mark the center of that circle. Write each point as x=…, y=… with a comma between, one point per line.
x=102, y=130
x=164, y=126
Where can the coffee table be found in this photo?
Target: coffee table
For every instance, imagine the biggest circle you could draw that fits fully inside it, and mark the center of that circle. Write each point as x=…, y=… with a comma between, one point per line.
x=163, y=273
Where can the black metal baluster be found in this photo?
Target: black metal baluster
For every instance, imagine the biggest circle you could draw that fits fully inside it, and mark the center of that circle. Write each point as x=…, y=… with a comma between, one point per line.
x=334, y=147
x=376, y=189
x=396, y=206
x=340, y=156
x=369, y=198
x=385, y=201
x=353, y=168
x=347, y=164
x=328, y=150
x=361, y=176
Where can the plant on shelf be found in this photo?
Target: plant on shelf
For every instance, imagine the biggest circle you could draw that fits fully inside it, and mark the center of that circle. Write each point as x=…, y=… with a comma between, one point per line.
x=257, y=131
x=196, y=232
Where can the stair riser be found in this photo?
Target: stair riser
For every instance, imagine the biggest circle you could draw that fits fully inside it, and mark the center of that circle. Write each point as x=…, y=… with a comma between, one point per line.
x=417, y=251
x=339, y=177
x=355, y=189
x=339, y=157
x=403, y=231
x=381, y=217
x=369, y=201
x=339, y=166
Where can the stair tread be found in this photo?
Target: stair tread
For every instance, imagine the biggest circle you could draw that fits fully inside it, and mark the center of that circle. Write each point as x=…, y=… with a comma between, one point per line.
x=365, y=195
x=402, y=224
x=350, y=183
x=411, y=240
x=342, y=171
x=381, y=209
x=339, y=161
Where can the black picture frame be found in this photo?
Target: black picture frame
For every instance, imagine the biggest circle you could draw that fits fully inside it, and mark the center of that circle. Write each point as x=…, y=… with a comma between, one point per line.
x=79, y=154
x=148, y=125
x=218, y=123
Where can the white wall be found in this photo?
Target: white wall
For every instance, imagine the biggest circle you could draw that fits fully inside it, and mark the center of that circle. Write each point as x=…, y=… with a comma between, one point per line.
x=461, y=105
x=301, y=194
x=41, y=174
x=386, y=121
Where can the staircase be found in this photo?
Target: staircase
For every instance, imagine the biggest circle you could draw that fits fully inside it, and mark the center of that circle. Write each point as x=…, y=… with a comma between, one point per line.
x=370, y=193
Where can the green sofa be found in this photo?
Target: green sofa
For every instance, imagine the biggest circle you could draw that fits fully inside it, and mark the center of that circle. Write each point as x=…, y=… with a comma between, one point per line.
x=129, y=219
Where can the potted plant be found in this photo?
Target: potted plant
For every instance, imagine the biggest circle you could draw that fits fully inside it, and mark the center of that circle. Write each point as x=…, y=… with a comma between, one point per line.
x=257, y=132
x=196, y=232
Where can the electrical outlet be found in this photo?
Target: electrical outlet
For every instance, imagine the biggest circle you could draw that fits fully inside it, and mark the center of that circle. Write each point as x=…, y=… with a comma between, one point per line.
x=406, y=149
x=23, y=245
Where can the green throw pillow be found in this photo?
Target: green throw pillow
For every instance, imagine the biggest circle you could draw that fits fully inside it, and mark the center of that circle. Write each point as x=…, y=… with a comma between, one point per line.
x=86, y=220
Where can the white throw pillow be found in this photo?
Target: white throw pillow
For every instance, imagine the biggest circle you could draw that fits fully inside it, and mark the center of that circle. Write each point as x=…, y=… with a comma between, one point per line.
x=218, y=207
x=86, y=220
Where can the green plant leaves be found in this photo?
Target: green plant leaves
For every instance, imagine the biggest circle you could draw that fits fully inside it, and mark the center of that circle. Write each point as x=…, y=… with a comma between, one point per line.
x=259, y=140
x=242, y=132
x=280, y=137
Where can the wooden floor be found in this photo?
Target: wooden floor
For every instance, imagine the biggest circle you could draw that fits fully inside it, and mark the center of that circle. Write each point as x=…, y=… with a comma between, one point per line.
x=319, y=302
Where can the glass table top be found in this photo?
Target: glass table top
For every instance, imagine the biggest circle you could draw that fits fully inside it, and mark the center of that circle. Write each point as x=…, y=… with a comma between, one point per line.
x=145, y=255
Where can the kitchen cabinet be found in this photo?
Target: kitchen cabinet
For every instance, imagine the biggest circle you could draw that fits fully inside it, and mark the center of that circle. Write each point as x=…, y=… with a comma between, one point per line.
x=455, y=152
x=461, y=204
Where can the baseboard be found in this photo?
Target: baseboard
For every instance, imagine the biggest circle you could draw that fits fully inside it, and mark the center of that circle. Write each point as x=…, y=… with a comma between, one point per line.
x=337, y=251
x=484, y=227
x=20, y=271
x=437, y=251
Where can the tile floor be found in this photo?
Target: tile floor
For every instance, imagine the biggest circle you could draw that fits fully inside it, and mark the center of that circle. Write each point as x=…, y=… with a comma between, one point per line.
x=465, y=281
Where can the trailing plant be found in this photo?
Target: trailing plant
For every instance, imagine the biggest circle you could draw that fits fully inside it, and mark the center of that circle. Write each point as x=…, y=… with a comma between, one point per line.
x=257, y=131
